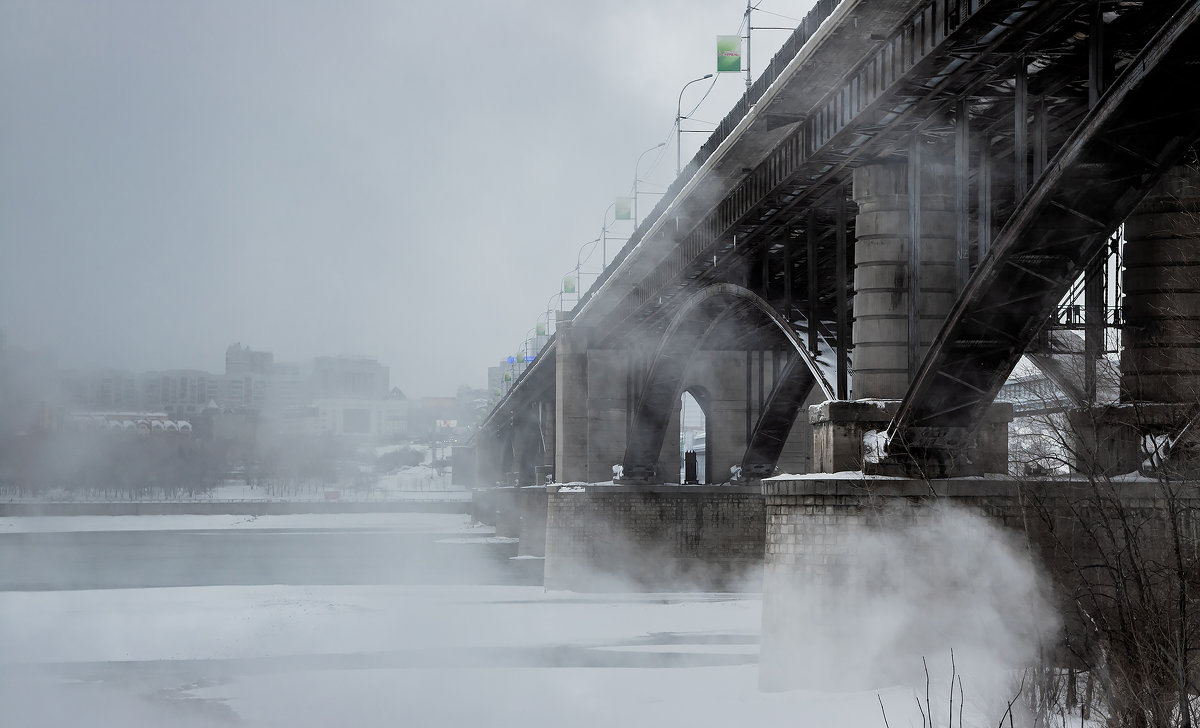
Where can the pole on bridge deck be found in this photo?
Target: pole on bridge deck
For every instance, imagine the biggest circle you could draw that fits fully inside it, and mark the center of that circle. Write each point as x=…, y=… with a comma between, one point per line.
x=679, y=117
x=747, y=53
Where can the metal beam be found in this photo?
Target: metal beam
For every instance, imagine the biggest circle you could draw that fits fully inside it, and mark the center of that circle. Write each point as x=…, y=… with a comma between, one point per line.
x=1021, y=130
x=914, y=255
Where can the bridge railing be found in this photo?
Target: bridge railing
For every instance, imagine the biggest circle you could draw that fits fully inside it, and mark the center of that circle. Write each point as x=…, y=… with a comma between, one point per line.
x=801, y=35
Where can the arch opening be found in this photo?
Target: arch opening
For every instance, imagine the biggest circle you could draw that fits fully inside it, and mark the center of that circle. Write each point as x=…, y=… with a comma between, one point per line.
x=693, y=437
x=707, y=319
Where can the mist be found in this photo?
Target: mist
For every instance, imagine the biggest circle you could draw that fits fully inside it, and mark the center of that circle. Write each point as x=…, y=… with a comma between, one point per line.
x=402, y=180
x=913, y=606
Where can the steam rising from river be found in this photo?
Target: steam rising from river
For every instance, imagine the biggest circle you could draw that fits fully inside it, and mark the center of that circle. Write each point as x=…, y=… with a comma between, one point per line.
x=955, y=583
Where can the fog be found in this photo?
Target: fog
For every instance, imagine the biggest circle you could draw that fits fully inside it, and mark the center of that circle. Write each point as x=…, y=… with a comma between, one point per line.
x=267, y=637
x=955, y=600
x=409, y=181
x=405, y=180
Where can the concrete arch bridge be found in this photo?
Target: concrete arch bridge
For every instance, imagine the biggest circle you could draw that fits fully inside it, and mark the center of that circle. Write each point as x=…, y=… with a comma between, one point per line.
x=885, y=224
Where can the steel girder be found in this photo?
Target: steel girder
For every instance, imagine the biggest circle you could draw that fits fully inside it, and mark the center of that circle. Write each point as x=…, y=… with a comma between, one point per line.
x=1142, y=125
x=777, y=417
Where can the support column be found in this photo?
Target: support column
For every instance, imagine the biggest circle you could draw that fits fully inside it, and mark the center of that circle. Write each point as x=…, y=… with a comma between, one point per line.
x=882, y=254
x=722, y=378
x=488, y=467
x=1160, y=361
x=1160, y=357
x=906, y=259
x=669, y=458
x=608, y=406
x=527, y=444
x=570, y=402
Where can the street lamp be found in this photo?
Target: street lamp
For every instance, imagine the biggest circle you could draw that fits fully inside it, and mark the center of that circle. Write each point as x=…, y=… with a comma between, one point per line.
x=578, y=260
x=678, y=118
x=578, y=265
x=660, y=145
x=604, y=237
x=548, y=311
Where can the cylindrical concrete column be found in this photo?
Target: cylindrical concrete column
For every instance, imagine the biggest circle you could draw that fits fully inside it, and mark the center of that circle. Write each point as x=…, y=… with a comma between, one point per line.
x=570, y=402
x=1160, y=360
x=881, y=260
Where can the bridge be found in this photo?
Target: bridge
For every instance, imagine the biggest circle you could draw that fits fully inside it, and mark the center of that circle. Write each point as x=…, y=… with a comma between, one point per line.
x=886, y=221
x=915, y=195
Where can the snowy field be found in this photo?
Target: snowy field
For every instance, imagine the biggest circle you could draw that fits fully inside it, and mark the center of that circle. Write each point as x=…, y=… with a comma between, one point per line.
x=419, y=654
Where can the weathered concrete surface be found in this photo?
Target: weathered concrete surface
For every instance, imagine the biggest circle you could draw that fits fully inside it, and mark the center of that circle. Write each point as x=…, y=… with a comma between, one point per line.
x=839, y=426
x=1160, y=359
x=883, y=242
x=570, y=401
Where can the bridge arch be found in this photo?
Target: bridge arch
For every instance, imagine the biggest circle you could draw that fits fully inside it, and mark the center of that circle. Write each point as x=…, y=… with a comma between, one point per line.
x=1138, y=129
x=665, y=380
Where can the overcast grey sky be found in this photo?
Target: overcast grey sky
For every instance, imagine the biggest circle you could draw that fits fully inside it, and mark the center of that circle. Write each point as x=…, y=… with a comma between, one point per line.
x=401, y=179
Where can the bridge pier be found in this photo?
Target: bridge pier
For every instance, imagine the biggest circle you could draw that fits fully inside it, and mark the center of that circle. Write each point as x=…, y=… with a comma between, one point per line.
x=528, y=447
x=904, y=269
x=593, y=396
x=905, y=263
x=839, y=429
x=1160, y=355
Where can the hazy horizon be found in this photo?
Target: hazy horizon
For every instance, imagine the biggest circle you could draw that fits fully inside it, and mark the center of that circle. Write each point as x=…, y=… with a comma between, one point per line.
x=404, y=181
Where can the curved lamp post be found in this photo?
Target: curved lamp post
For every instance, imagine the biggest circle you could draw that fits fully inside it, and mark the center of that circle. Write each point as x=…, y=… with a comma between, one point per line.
x=679, y=118
x=636, y=179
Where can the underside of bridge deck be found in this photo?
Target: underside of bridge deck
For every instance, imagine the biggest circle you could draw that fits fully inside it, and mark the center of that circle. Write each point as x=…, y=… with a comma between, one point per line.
x=1046, y=123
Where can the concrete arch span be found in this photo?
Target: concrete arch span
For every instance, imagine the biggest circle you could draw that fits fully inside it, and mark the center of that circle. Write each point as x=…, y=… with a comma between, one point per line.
x=664, y=382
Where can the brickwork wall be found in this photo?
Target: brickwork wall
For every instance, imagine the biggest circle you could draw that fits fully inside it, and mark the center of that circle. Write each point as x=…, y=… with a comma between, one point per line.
x=654, y=538
x=532, y=532
x=809, y=522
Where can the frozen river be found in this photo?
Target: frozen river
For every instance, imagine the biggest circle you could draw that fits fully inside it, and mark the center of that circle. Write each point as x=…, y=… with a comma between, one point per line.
x=104, y=552
x=378, y=620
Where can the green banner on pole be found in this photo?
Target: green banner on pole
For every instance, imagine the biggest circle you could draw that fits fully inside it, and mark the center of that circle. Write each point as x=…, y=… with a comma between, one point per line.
x=729, y=54
x=624, y=209
x=541, y=329
x=569, y=284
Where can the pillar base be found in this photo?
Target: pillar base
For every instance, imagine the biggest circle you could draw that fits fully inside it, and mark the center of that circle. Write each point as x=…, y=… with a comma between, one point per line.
x=840, y=426
x=1111, y=440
